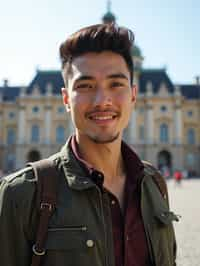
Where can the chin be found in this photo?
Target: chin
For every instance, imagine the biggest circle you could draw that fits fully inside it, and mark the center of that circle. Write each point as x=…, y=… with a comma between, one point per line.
x=104, y=140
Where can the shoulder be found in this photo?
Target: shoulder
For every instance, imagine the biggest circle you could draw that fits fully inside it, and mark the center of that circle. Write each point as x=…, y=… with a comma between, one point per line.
x=150, y=168
x=18, y=186
x=21, y=185
x=17, y=201
x=155, y=174
x=17, y=176
x=26, y=175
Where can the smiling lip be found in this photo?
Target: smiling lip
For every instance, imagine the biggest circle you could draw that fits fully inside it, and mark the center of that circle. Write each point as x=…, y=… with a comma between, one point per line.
x=102, y=117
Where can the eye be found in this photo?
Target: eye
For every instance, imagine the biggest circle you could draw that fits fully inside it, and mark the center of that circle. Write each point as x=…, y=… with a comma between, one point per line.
x=84, y=86
x=117, y=84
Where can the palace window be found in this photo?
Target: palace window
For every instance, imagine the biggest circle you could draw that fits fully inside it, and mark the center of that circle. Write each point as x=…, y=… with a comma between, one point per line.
x=61, y=109
x=35, y=133
x=35, y=109
x=141, y=132
x=190, y=159
x=10, y=162
x=11, y=115
x=141, y=110
x=163, y=108
x=11, y=136
x=191, y=136
x=164, y=133
x=60, y=134
x=190, y=113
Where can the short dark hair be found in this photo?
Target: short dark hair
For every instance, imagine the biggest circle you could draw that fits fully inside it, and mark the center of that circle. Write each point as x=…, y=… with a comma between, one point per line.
x=97, y=38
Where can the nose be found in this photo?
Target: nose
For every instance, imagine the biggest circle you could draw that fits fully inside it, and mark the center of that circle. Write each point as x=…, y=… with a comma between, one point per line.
x=102, y=98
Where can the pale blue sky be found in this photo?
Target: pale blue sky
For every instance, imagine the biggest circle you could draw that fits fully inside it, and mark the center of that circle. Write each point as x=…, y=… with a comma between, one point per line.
x=168, y=33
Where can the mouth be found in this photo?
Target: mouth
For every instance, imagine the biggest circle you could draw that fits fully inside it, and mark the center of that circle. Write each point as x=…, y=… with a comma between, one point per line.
x=102, y=116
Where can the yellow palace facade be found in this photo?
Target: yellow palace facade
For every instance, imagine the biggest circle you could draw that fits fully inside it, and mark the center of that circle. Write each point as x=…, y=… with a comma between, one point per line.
x=164, y=128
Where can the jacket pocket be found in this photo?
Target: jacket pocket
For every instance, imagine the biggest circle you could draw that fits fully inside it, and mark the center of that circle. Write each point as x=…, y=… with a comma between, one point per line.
x=69, y=238
x=71, y=246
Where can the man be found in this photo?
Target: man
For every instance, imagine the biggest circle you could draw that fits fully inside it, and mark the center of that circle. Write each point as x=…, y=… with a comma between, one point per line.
x=110, y=210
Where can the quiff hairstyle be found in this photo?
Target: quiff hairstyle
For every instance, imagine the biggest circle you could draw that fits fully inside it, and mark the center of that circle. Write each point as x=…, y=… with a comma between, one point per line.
x=97, y=38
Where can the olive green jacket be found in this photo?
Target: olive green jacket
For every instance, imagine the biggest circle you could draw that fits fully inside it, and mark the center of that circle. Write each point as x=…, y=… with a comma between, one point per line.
x=80, y=230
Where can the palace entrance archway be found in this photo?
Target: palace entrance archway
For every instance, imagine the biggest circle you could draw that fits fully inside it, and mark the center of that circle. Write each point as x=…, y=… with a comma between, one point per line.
x=164, y=160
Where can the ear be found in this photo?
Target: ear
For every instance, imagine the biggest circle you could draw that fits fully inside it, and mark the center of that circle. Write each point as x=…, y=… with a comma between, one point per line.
x=134, y=93
x=65, y=97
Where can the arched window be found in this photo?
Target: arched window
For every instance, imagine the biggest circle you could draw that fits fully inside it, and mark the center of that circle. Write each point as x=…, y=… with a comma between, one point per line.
x=60, y=134
x=164, y=133
x=191, y=136
x=11, y=136
x=35, y=133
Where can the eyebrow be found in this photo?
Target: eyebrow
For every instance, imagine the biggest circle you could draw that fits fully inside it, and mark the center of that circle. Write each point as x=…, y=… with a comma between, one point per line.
x=117, y=75
x=85, y=77
x=111, y=76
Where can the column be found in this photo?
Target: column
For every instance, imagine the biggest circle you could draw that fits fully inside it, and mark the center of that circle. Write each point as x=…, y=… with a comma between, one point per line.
x=21, y=125
x=21, y=138
x=178, y=124
x=149, y=127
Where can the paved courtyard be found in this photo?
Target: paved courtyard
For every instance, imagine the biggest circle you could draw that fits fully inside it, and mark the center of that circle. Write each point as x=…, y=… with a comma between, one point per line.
x=185, y=201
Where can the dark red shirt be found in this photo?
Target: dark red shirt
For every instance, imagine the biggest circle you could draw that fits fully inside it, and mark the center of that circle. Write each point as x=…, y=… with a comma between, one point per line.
x=130, y=244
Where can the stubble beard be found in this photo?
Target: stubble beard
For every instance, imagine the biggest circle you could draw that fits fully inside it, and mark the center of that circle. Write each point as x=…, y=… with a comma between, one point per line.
x=101, y=140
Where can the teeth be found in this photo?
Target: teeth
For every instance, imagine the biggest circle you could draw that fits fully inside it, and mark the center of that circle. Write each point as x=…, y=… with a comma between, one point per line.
x=102, y=117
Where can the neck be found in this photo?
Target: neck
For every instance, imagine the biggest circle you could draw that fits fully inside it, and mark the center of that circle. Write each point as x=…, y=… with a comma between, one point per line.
x=106, y=158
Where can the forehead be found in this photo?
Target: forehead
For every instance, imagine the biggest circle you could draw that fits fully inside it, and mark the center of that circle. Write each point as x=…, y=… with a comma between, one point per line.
x=99, y=65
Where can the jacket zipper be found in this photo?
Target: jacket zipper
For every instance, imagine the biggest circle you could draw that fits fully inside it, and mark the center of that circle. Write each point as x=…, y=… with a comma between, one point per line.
x=70, y=228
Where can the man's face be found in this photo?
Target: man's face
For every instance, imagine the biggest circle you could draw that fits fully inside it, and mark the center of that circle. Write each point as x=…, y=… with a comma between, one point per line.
x=99, y=96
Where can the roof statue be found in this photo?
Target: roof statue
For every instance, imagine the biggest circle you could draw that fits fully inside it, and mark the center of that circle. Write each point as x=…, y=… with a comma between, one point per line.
x=109, y=17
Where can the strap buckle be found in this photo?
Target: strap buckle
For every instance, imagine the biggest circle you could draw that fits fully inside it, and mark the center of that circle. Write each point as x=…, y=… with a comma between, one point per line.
x=44, y=205
x=38, y=253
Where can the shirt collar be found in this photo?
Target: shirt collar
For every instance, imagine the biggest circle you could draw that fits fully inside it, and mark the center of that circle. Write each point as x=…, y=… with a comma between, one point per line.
x=133, y=164
x=75, y=149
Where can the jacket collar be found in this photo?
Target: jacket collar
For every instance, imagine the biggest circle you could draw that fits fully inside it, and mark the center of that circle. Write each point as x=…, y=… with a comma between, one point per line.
x=78, y=175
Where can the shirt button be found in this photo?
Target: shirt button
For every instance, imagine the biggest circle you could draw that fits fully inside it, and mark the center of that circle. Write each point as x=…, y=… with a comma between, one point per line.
x=90, y=243
x=113, y=202
x=127, y=238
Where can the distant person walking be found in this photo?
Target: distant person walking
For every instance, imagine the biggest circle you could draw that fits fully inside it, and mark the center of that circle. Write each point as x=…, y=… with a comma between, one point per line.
x=178, y=176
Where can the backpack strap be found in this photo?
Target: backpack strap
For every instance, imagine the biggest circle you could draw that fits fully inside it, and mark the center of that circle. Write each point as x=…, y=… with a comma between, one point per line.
x=47, y=186
x=157, y=178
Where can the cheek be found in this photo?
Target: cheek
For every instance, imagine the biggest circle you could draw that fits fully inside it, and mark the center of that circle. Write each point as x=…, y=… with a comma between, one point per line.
x=123, y=99
x=79, y=99
x=79, y=105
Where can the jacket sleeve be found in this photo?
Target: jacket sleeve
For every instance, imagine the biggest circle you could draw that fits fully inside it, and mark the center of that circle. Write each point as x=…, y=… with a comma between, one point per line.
x=15, y=247
x=175, y=251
